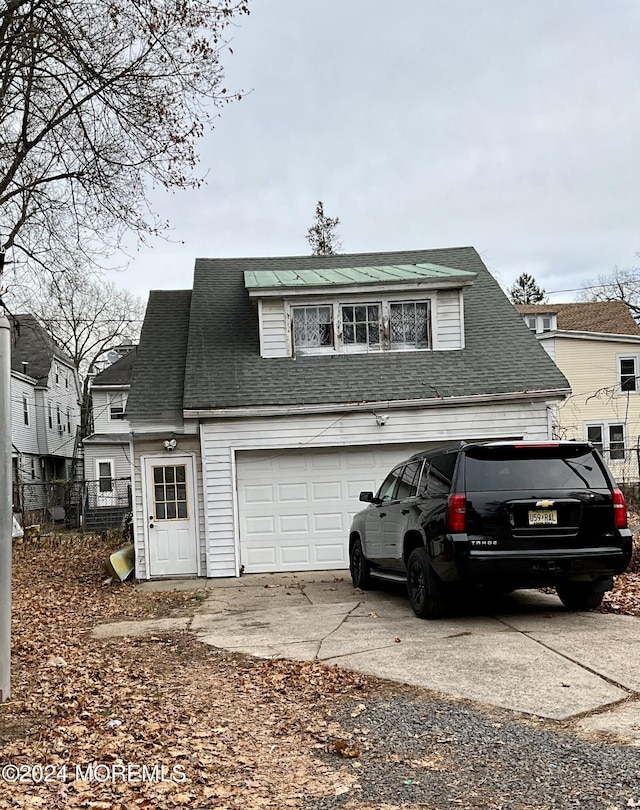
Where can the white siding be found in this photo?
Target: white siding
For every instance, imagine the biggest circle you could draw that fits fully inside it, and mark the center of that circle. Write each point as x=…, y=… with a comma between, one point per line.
x=63, y=394
x=273, y=328
x=118, y=453
x=448, y=321
x=101, y=421
x=222, y=438
x=447, y=315
x=187, y=445
x=24, y=437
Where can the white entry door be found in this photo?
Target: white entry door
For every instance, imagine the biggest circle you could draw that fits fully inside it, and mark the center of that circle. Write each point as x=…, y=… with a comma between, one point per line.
x=170, y=516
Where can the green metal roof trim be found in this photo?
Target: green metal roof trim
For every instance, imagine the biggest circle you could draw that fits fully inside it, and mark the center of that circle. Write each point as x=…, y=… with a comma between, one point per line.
x=269, y=279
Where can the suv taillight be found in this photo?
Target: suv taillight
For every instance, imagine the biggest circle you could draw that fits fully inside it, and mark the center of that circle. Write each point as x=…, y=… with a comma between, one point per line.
x=457, y=513
x=619, y=510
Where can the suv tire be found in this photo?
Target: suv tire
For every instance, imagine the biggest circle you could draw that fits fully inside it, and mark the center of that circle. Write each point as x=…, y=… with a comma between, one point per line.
x=359, y=566
x=579, y=595
x=423, y=587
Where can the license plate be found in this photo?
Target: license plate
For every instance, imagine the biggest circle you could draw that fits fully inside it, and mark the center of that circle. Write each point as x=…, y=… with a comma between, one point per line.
x=546, y=517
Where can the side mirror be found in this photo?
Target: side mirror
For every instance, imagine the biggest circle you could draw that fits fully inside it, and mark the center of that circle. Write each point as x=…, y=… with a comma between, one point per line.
x=367, y=497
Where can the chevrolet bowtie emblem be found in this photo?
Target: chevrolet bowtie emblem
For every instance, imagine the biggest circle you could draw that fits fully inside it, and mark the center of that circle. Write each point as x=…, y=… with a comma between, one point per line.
x=545, y=504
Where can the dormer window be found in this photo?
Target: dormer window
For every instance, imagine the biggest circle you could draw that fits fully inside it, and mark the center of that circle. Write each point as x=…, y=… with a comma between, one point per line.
x=409, y=325
x=539, y=324
x=313, y=327
x=363, y=309
x=366, y=327
x=361, y=326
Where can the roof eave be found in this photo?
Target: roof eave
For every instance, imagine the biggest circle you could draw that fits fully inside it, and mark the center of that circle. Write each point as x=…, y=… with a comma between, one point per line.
x=401, y=285
x=334, y=407
x=586, y=335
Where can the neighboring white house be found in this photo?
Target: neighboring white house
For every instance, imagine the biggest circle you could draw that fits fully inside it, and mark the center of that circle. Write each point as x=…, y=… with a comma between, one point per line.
x=106, y=450
x=45, y=417
x=264, y=400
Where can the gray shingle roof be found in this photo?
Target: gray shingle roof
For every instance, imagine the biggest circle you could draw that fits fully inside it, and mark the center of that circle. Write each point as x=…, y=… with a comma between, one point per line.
x=32, y=344
x=118, y=373
x=158, y=373
x=224, y=367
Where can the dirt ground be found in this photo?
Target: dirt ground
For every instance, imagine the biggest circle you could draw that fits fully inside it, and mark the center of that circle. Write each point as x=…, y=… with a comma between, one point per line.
x=166, y=722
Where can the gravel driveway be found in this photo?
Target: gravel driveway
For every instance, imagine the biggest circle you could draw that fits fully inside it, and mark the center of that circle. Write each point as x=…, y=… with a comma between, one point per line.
x=421, y=752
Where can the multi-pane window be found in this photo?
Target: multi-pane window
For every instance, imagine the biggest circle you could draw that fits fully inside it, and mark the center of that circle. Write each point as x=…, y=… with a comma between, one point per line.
x=532, y=323
x=170, y=492
x=409, y=325
x=361, y=325
x=313, y=327
x=68, y=420
x=369, y=326
x=628, y=374
x=49, y=416
x=25, y=408
x=546, y=323
x=608, y=438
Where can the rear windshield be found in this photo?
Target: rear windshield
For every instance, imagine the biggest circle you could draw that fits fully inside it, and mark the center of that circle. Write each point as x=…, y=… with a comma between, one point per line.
x=532, y=468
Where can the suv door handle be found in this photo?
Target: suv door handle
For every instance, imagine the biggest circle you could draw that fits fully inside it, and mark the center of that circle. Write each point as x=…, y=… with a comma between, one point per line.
x=382, y=514
x=405, y=511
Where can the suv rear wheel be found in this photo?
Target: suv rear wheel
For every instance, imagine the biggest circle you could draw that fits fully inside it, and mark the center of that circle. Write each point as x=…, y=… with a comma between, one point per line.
x=359, y=566
x=423, y=587
x=580, y=595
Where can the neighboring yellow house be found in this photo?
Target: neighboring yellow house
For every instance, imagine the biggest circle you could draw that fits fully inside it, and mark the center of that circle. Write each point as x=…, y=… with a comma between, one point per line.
x=596, y=345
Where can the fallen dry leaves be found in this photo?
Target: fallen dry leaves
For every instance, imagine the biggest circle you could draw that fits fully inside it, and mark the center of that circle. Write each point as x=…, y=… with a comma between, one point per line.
x=229, y=731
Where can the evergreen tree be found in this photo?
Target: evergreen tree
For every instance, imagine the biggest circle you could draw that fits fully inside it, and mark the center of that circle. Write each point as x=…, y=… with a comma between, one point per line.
x=525, y=290
x=322, y=235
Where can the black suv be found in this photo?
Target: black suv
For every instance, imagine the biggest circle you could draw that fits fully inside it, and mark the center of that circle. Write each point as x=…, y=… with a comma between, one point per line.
x=503, y=515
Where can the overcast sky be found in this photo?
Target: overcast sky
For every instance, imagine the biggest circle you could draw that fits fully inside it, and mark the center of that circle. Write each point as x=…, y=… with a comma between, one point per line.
x=509, y=125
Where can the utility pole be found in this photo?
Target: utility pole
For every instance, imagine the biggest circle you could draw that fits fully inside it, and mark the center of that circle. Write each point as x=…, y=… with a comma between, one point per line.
x=6, y=512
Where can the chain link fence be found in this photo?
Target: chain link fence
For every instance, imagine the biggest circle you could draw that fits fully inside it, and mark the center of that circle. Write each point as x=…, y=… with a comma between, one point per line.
x=97, y=505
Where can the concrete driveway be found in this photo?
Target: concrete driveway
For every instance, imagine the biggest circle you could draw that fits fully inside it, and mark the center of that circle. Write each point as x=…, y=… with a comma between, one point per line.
x=523, y=651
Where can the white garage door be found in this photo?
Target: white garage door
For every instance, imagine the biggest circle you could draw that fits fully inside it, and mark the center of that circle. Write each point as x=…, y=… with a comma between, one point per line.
x=296, y=506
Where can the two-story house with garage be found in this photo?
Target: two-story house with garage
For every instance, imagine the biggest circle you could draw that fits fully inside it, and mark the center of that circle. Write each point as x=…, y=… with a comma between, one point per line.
x=45, y=424
x=596, y=345
x=265, y=398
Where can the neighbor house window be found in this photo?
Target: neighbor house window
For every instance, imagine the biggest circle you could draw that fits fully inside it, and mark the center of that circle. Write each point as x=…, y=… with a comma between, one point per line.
x=105, y=476
x=608, y=438
x=50, y=416
x=25, y=408
x=628, y=373
x=117, y=403
x=546, y=323
x=68, y=420
x=531, y=322
x=59, y=418
x=409, y=325
x=313, y=327
x=361, y=325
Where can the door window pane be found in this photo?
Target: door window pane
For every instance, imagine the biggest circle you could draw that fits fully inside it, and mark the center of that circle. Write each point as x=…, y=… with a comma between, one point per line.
x=170, y=501
x=407, y=484
x=105, y=479
x=389, y=484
